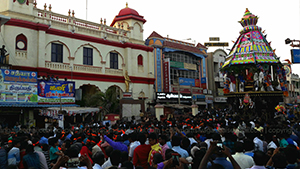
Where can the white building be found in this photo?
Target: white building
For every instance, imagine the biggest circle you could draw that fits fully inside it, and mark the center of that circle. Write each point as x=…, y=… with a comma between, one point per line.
x=88, y=53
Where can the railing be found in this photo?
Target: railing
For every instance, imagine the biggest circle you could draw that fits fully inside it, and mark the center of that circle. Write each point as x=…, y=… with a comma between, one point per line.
x=57, y=66
x=21, y=54
x=114, y=71
x=70, y=23
x=89, y=69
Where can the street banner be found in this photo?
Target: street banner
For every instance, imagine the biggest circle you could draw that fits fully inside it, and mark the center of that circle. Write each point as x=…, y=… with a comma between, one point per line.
x=186, y=81
x=18, y=87
x=166, y=71
x=54, y=92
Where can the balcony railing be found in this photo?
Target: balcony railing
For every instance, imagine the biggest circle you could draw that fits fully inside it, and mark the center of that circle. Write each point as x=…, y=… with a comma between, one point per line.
x=86, y=68
x=70, y=23
x=114, y=71
x=57, y=66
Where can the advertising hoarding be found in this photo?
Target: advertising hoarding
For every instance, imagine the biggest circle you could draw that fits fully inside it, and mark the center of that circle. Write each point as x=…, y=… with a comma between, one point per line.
x=186, y=81
x=18, y=87
x=295, y=55
x=51, y=92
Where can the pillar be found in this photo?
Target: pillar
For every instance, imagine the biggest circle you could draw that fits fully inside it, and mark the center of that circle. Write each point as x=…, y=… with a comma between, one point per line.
x=194, y=110
x=159, y=110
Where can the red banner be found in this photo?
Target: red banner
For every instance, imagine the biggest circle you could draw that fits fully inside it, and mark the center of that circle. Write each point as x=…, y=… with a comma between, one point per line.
x=166, y=75
x=197, y=82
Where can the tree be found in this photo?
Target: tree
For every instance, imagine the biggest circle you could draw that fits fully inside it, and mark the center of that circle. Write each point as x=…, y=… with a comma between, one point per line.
x=108, y=100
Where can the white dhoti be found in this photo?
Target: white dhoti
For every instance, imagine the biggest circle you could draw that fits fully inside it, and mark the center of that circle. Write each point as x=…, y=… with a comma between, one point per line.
x=232, y=87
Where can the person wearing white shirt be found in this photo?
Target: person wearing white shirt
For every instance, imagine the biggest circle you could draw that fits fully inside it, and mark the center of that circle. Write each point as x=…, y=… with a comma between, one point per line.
x=134, y=143
x=259, y=145
x=108, y=151
x=243, y=160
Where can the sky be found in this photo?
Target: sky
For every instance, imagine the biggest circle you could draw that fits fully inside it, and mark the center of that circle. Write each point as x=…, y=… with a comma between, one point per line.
x=198, y=19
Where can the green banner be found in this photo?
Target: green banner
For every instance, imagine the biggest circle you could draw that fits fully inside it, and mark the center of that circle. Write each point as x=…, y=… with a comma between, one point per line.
x=177, y=64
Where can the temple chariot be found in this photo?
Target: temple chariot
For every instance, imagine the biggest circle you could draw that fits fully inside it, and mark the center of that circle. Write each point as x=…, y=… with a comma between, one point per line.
x=255, y=80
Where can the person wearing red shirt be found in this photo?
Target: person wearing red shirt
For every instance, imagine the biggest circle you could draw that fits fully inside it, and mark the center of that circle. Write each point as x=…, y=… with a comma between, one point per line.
x=141, y=152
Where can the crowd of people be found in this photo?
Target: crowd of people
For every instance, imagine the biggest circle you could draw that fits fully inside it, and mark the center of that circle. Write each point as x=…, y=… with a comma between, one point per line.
x=211, y=139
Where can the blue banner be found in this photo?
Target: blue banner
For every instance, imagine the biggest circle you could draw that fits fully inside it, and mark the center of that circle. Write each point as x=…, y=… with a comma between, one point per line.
x=18, y=87
x=186, y=81
x=158, y=69
x=203, y=80
x=56, y=92
x=295, y=55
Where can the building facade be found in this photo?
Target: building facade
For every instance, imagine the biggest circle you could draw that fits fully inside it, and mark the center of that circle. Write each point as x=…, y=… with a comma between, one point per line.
x=90, y=54
x=179, y=68
x=293, y=86
x=215, y=77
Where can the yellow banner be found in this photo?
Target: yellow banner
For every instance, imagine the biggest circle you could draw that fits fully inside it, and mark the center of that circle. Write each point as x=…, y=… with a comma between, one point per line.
x=190, y=66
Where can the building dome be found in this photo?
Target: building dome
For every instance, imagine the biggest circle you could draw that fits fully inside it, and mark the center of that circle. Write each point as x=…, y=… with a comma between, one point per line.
x=128, y=13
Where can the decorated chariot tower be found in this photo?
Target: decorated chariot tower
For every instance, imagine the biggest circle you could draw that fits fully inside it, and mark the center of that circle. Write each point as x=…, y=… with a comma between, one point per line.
x=255, y=80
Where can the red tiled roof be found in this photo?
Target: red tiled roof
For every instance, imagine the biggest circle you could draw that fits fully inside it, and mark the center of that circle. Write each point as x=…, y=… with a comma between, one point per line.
x=155, y=35
x=175, y=45
x=199, y=45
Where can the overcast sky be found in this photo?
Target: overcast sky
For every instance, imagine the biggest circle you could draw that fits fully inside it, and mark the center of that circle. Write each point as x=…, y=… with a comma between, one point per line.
x=198, y=19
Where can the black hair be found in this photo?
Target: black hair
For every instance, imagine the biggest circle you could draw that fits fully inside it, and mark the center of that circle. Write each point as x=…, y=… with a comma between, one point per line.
x=175, y=141
x=157, y=158
x=15, y=141
x=259, y=158
x=279, y=160
x=239, y=147
x=52, y=141
x=248, y=145
x=186, y=142
x=127, y=165
x=124, y=156
x=291, y=154
x=99, y=158
x=133, y=136
x=152, y=136
x=115, y=157
x=72, y=152
x=29, y=149
x=45, y=147
x=108, y=150
x=142, y=138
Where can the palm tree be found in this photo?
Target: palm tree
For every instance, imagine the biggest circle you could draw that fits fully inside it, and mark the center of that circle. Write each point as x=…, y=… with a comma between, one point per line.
x=108, y=101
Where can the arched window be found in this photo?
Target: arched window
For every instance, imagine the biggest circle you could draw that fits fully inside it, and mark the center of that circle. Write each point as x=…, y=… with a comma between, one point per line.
x=140, y=60
x=21, y=42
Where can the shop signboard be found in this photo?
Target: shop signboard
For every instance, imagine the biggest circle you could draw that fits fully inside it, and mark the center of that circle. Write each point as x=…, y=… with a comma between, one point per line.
x=190, y=66
x=172, y=97
x=186, y=81
x=177, y=64
x=18, y=87
x=209, y=99
x=56, y=92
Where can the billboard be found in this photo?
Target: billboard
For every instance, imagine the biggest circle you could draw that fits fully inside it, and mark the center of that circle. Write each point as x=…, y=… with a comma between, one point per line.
x=186, y=81
x=295, y=55
x=203, y=82
x=51, y=92
x=18, y=87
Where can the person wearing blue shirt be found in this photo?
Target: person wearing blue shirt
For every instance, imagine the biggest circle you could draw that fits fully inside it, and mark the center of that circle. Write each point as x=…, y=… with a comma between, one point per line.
x=176, y=147
x=118, y=145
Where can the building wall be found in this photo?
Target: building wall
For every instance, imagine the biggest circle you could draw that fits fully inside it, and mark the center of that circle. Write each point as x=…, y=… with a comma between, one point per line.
x=41, y=32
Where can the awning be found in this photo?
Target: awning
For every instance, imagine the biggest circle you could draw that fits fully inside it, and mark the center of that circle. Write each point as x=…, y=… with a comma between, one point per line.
x=37, y=105
x=74, y=110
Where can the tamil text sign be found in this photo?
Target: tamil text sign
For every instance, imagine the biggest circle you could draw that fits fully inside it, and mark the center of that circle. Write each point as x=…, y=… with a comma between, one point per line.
x=216, y=44
x=186, y=81
x=55, y=92
x=18, y=87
